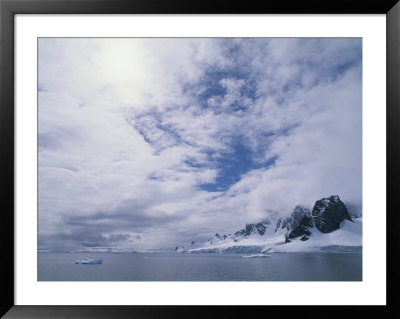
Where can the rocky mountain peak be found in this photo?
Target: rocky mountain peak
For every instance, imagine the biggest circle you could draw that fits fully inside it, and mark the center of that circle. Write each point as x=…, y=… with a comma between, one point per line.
x=180, y=248
x=258, y=228
x=297, y=224
x=328, y=213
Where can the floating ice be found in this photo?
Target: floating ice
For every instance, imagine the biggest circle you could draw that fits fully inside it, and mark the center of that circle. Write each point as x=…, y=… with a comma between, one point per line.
x=257, y=256
x=89, y=261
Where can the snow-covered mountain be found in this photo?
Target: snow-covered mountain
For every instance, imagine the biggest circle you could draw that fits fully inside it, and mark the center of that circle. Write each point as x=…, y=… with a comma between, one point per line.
x=327, y=227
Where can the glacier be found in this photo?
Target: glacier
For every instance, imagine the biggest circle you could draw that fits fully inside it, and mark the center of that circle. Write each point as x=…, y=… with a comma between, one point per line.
x=89, y=261
x=257, y=256
x=347, y=238
x=296, y=233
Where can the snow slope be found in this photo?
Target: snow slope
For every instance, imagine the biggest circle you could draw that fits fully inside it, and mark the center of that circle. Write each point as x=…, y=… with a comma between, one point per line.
x=347, y=238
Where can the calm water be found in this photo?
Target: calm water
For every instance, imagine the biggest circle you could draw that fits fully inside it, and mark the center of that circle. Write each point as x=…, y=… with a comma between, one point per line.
x=201, y=267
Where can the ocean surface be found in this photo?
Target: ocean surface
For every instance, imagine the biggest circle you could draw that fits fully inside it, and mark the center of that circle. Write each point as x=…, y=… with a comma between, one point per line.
x=201, y=267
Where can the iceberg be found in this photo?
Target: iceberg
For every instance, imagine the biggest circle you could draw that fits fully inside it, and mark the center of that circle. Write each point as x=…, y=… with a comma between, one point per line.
x=89, y=261
x=257, y=256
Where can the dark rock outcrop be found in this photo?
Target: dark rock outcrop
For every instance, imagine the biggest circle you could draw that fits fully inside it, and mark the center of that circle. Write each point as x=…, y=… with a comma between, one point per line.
x=180, y=248
x=258, y=228
x=298, y=224
x=328, y=213
x=303, y=227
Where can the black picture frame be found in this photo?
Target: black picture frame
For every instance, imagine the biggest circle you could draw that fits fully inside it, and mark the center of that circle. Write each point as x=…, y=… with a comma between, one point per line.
x=8, y=8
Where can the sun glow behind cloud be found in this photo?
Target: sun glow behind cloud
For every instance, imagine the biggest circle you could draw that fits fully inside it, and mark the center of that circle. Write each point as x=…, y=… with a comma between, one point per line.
x=149, y=142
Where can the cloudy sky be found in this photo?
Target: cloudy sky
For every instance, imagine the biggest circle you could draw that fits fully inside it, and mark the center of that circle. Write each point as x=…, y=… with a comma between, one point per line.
x=145, y=143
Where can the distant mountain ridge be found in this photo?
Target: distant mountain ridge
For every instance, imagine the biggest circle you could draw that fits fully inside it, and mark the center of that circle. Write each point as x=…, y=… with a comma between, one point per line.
x=327, y=216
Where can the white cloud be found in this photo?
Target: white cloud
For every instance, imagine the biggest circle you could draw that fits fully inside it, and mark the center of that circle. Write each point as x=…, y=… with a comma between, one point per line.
x=129, y=130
